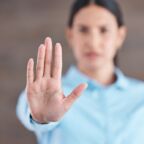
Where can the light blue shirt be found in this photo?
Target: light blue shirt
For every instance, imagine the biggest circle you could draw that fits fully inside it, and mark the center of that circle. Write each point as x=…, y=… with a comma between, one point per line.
x=101, y=115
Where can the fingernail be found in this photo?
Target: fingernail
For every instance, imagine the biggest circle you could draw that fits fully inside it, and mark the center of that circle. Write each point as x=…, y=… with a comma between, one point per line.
x=58, y=44
x=30, y=61
x=41, y=45
x=48, y=39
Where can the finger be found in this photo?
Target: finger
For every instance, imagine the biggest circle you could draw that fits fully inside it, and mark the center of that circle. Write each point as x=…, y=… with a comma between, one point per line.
x=57, y=65
x=48, y=57
x=40, y=62
x=74, y=95
x=30, y=71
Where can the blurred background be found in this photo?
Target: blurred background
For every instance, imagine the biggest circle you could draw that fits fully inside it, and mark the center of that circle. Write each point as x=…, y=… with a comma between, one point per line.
x=23, y=26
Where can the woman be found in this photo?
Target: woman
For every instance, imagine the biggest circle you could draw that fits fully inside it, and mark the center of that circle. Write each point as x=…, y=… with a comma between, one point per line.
x=110, y=109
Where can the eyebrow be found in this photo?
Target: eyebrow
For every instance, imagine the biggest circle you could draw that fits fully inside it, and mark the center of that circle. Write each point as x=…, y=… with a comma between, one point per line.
x=86, y=26
x=82, y=25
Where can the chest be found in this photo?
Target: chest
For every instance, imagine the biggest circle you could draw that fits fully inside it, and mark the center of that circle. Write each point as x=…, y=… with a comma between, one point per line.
x=106, y=118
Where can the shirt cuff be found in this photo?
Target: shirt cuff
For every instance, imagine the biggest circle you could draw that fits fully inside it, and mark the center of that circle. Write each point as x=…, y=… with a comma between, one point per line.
x=43, y=126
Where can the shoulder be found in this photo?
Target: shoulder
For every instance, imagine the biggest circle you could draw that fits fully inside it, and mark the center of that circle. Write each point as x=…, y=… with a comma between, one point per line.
x=134, y=81
x=127, y=81
x=136, y=84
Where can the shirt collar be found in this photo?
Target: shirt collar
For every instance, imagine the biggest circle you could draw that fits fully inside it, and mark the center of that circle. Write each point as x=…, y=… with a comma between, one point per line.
x=76, y=77
x=122, y=80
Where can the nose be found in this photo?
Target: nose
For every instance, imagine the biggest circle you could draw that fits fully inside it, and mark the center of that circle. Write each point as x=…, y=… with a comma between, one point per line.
x=94, y=41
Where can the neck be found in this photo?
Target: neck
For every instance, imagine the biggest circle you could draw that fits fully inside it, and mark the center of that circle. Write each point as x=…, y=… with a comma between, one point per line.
x=104, y=75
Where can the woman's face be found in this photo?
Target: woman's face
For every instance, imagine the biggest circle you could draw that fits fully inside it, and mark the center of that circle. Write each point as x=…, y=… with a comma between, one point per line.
x=95, y=37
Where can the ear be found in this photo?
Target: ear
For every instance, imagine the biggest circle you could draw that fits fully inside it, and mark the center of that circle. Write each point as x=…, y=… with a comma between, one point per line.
x=69, y=36
x=122, y=32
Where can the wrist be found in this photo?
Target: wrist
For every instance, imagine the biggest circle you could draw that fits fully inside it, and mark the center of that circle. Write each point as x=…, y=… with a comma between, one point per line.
x=38, y=121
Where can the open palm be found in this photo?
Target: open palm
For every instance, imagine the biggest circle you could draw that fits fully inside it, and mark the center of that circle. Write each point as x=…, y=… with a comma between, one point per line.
x=44, y=92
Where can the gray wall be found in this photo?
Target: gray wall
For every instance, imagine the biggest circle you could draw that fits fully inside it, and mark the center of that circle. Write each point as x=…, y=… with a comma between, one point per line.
x=23, y=26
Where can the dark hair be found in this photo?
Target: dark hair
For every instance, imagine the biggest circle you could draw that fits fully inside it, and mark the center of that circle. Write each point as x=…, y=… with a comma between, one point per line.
x=110, y=5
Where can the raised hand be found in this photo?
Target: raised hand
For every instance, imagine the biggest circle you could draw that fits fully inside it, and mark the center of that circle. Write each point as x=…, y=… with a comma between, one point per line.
x=44, y=93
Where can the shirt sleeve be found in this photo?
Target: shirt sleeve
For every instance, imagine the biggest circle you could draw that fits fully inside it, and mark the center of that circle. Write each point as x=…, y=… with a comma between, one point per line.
x=23, y=114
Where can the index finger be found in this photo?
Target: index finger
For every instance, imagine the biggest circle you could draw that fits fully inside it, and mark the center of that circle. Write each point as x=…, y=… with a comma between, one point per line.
x=57, y=65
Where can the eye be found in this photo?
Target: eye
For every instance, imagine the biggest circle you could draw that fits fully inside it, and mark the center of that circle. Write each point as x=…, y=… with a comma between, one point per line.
x=104, y=30
x=83, y=29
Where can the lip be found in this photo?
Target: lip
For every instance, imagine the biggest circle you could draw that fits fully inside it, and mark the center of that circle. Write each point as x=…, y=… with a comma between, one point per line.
x=92, y=55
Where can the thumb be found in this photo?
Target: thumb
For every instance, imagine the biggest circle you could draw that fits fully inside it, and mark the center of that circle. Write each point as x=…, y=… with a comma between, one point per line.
x=74, y=95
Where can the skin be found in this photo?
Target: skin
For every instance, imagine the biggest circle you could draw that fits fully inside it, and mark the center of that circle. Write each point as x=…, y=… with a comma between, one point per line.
x=44, y=93
x=94, y=50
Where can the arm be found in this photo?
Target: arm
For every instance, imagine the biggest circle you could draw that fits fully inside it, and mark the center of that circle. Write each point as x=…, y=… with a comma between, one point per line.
x=44, y=99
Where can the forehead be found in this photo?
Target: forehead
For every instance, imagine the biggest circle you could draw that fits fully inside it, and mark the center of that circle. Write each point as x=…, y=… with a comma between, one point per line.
x=94, y=15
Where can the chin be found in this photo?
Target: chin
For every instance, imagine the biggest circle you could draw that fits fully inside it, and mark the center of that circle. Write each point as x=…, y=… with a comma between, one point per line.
x=94, y=66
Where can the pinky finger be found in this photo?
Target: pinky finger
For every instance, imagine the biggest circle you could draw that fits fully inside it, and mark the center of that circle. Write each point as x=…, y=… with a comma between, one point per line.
x=30, y=71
